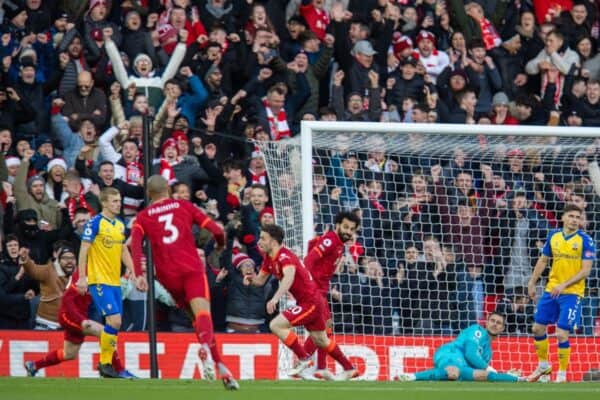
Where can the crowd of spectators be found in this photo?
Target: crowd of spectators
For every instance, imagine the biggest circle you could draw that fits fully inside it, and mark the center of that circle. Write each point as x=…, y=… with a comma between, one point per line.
x=451, y=227
x=439, y=235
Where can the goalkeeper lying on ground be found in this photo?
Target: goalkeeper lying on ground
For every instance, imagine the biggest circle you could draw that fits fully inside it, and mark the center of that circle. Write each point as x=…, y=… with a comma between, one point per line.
x=467, y=358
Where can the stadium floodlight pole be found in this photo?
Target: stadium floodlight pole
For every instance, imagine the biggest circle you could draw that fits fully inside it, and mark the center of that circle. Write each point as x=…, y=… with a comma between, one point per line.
x=151, y=309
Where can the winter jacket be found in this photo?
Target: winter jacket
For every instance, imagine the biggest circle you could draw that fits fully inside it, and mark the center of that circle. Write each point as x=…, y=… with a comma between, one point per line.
x=46, y=210
x=53, y=282
x=152, y=85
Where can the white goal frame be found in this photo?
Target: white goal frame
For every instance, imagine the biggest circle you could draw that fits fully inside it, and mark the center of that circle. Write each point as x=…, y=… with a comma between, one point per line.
x=307, y=128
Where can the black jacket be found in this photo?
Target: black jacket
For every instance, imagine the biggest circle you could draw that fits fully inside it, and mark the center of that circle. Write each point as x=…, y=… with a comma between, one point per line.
x=14, y=307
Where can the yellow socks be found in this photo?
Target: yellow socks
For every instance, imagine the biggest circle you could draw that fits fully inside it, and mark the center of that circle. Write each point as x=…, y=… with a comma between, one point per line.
x=564, y=353
x=108, y=344
x=541, y=348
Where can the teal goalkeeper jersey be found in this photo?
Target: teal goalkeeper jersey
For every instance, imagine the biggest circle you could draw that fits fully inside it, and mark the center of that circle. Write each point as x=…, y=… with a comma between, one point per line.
x=475, y=345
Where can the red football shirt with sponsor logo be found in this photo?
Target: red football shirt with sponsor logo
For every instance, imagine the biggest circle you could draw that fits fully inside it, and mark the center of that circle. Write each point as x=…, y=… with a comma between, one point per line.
x=324, y=252
x=303, y=289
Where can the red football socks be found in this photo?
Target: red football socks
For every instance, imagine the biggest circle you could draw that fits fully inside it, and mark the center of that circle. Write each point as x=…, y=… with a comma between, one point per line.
x=51, y=358
x=334, y=351
x=204, y=328
x=310, y=347
x=116, y=362
x=214, y=351
x=292, y=342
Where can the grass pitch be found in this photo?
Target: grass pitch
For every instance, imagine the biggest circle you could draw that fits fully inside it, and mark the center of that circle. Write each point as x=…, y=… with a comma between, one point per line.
x=96, y=389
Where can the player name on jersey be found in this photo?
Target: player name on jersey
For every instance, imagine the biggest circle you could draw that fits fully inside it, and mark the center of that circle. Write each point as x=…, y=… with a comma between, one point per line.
x=163, y=208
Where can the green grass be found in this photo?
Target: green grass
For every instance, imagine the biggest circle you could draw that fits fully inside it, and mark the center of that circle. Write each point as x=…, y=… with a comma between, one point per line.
x=92, y=389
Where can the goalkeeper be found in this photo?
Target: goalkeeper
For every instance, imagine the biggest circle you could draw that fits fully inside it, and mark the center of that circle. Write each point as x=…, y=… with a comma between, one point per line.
x=467, y=358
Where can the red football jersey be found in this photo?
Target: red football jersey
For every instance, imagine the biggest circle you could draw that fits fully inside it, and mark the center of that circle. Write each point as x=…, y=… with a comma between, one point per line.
x=72, y=301
x=303, y=289
x=168, y=226
x=324, y=252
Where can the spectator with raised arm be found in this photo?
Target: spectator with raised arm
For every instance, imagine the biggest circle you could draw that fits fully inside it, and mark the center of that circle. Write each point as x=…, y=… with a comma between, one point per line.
x=146, y=78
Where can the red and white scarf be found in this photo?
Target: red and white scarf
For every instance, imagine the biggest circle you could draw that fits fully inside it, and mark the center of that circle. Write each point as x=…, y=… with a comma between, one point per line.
x=73, y=203
x=559, y=86
x=489, y=34
x=133, y=172
x=166, y=170
x=430, y=61
x=260, y=178
x=279, y=127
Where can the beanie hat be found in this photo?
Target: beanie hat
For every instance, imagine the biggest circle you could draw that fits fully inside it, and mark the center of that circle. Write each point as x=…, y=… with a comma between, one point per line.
x=170, y=142
x=166, y=32
x=142, y=56
x=12, y=161
x=401, y=43
x=95, y=3
x=28, y=52
x=26, y=214
x=34, y=179
x=240, y=258
x=460, y=72
x=56, y=162
x=13, y=8
x=266, y=210
x=180, y=135
x=426, y=35
x=500, y=98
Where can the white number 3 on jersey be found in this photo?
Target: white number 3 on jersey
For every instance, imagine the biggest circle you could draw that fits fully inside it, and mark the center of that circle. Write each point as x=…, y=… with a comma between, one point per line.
x=167, y=220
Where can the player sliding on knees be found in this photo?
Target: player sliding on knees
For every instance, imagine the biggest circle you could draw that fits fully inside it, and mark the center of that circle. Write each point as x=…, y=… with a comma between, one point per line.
x=295, y=278
x=73, y=318
x=467, y=358
x=324, y=254
x=167, y=223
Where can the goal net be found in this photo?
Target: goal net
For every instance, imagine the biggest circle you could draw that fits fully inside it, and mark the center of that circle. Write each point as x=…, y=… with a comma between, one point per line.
x=453, y=220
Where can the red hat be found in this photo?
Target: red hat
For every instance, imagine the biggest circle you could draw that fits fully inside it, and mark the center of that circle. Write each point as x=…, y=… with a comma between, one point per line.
x=95, y=3
x=240, y=258
x=516, y=153
x=179, y=135
x=168, y=143
x=401, y=43
x=165, y=32
x=266, y=210
x=426, y=35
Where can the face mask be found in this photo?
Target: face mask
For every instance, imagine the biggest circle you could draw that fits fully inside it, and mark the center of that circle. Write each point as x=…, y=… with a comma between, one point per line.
x=29, y=231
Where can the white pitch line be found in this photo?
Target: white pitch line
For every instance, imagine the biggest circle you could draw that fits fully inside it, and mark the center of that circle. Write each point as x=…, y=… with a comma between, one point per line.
x=388, y=387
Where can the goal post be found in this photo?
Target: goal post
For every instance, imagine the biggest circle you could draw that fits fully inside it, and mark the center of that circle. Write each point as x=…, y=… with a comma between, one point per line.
x=454, y=218
x=309, y=127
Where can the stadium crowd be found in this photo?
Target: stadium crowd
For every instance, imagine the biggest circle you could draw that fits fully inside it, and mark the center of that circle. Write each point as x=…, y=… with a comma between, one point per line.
x=442, y=234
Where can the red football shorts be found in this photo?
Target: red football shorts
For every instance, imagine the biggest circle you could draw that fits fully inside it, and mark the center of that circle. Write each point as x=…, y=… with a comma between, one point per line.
x=187, y=286
x=308, y=315
x=71, y=322
x=326, y=310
